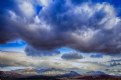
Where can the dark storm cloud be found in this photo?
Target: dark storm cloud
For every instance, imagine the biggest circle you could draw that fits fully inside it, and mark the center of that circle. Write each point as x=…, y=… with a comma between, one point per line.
x=72, y=56
x=39, y=52
x=7, y=30
x=79, y=24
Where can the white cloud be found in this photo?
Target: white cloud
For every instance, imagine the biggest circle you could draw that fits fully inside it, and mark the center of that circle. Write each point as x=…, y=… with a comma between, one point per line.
x=26, y=8
x=44, y=2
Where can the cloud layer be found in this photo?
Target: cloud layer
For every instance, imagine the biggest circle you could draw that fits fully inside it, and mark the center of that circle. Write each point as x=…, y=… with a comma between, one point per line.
x=22, y=60
x=96, y=56
x=86, y=26
x=72, y=56
x=39, y=52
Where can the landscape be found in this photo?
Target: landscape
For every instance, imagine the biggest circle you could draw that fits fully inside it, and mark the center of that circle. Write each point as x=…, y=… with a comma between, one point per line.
x=24, y=69
x=60, y=40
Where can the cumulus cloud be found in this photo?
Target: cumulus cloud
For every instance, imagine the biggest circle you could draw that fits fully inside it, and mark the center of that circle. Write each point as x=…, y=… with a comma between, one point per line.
x=72, y=56
x=86, y=26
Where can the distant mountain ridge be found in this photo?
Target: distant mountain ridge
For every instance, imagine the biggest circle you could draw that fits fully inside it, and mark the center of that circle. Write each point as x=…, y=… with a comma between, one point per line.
x=49, y=69
x=72, y=75
x=96, y=73
x=8, y=74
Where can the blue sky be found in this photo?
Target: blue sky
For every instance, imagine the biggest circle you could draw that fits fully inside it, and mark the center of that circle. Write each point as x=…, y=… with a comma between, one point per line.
x=16, y=46
x=19, y=46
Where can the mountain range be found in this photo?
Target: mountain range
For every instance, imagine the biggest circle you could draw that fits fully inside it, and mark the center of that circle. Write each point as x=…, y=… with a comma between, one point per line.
x=36, y=74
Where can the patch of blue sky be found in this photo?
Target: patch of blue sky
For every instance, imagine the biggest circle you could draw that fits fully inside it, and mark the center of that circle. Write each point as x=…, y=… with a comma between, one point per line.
x=17, y=45
x=66, y=49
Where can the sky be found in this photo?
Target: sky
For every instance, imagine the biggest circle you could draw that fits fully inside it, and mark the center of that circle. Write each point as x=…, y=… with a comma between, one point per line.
x=61, y=31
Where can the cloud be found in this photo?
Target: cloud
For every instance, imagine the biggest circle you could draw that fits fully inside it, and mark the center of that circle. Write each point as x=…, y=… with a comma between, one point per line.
x=7, y=30
x=96, y=56
x=86, y=26
x=15, y=60
x=39, y=52
x=26, y=8
x=72, y=56
x=45, y=2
